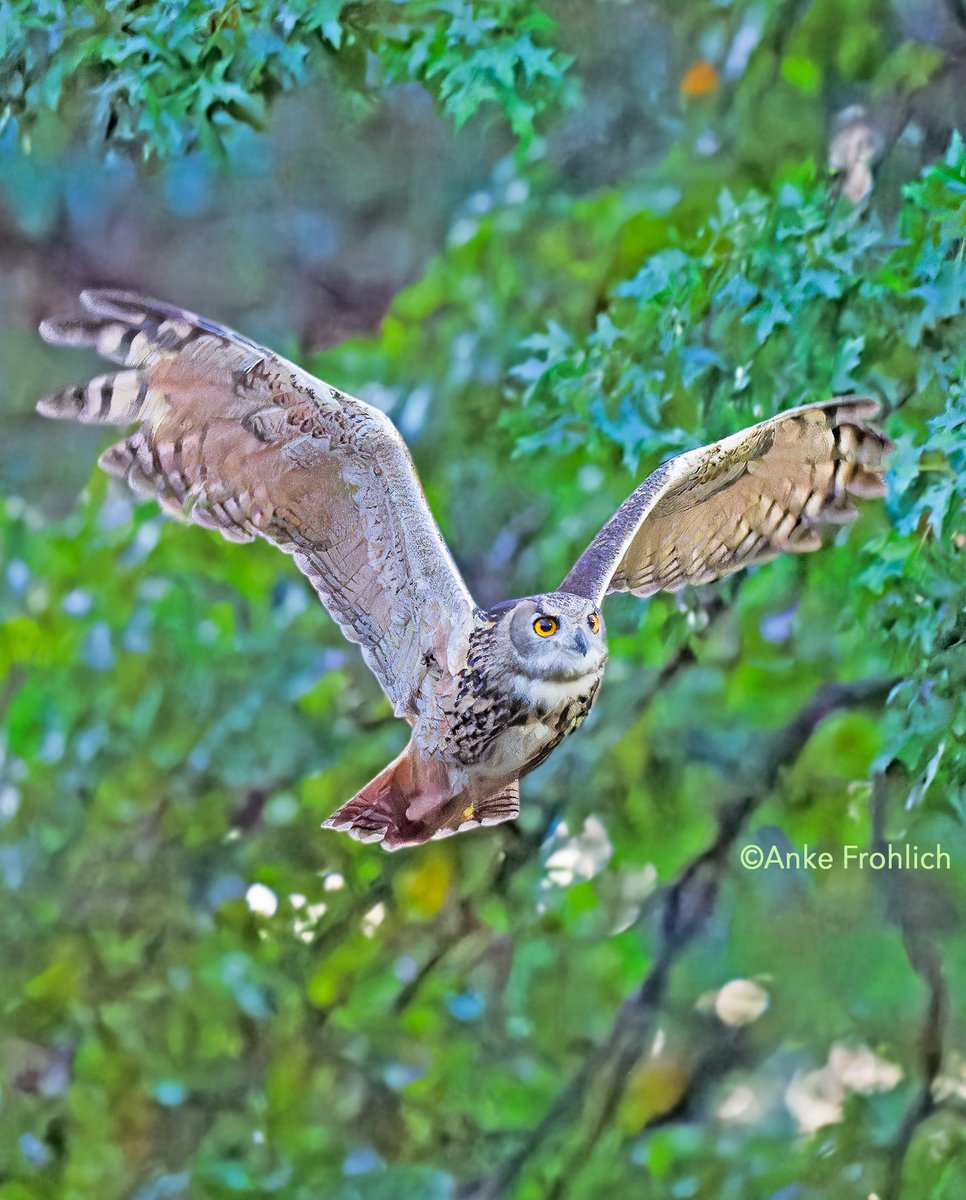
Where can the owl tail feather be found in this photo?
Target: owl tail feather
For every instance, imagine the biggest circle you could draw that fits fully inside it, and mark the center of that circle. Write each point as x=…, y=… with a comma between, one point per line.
x=410, y=802
x=375, y=813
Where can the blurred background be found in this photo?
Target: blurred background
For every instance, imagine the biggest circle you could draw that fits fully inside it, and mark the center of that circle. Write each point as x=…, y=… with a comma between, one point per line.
x=556, y=244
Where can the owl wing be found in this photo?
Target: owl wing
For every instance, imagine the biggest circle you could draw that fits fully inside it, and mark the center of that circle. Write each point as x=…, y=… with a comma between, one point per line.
x=235, y=438
x=740, y=501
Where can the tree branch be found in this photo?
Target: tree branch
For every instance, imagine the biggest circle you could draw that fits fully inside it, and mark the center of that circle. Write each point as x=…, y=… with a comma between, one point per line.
x=683, y=913
x=926, y=962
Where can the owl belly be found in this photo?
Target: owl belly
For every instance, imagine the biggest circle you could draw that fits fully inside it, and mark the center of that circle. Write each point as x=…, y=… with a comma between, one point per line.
x=543, y=713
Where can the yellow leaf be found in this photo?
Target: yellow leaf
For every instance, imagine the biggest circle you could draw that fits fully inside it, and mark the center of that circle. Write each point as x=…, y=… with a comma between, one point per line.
x=653, y=1088
x=422, y=890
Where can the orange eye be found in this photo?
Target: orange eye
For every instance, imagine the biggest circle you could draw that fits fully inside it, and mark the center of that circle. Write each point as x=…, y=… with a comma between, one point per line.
x=545, y=626
x=594, y=622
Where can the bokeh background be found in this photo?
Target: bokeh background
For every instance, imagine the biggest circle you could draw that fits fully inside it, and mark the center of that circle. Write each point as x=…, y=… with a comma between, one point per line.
x=556, y=244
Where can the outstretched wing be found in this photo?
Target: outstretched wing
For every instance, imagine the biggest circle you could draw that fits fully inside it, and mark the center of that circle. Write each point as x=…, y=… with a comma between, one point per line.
x=739, y=501
x=238, y=439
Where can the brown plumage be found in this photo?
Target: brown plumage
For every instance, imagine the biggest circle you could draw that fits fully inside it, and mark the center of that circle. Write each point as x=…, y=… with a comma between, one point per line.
x=235, y=438
x=736, y=503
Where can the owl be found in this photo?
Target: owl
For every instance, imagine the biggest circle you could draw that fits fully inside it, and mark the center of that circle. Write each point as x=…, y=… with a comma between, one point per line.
x=235, y=438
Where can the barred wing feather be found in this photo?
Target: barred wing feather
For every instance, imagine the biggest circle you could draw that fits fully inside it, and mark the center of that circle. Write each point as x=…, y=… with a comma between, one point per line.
x=236, y=438
x=737, y=502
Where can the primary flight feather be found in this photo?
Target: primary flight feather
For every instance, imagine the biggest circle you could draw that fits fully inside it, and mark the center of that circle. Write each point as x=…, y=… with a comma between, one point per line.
x=240, y=440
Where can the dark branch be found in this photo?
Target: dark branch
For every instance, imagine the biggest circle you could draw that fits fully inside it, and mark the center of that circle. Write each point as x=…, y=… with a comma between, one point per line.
x=684, y=910
x=925, y=961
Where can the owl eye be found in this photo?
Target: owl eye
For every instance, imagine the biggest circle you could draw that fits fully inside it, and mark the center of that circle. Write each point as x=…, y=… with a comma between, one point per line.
x=594, y=622
x=545, y=626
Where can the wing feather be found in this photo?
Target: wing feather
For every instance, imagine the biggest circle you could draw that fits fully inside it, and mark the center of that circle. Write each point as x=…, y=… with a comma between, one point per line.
x=737, y=502
x=238, y=439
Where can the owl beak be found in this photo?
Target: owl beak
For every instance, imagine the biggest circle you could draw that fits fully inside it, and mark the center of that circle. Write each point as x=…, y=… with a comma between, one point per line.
x=580, y=643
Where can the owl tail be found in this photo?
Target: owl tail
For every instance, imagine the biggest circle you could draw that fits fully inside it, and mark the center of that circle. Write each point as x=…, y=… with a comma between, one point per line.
x=410, y=802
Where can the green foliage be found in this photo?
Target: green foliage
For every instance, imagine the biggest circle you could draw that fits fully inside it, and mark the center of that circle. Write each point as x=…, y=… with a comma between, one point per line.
x=168, y=75
x=204, y=995
x=476, y=55
x=780, y=301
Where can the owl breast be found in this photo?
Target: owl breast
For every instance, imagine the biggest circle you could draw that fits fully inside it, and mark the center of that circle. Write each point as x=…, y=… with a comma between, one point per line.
x=557, y=709
x=508, y=724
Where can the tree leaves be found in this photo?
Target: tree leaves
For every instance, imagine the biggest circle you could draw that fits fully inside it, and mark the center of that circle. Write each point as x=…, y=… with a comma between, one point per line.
x=171, y=76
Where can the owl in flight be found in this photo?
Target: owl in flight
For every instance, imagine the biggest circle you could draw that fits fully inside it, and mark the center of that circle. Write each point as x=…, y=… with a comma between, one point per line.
x=235, y=438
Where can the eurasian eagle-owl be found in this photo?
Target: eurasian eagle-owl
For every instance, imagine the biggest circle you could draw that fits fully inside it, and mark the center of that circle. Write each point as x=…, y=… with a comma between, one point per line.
x=238, y=439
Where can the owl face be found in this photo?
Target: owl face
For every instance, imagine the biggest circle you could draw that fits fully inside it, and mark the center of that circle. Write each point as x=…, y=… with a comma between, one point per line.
x=555, y=636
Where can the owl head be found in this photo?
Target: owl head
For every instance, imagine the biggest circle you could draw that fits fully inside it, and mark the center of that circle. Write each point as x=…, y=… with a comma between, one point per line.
x=554, y=636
